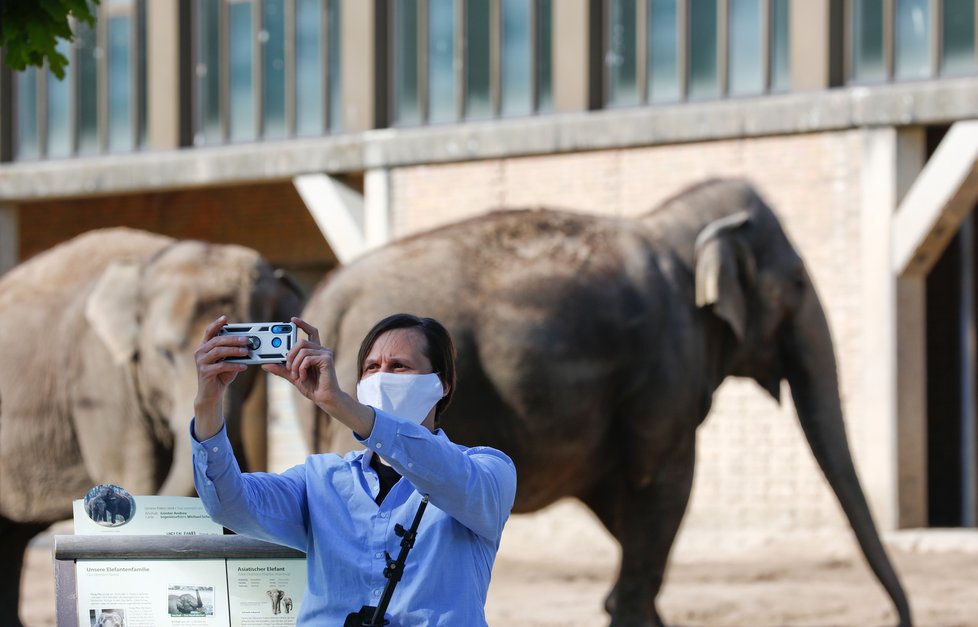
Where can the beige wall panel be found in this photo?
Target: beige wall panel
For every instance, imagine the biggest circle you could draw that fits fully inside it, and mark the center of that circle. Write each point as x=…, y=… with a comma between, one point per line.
x=755, y=474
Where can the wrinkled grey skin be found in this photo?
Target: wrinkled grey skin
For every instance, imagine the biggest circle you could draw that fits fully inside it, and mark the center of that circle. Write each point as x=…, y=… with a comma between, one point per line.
x=98, y=336
x=589, y=349
x=184, y=603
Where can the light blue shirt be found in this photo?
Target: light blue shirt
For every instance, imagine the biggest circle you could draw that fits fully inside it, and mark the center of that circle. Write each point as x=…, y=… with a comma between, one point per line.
x=326, y=508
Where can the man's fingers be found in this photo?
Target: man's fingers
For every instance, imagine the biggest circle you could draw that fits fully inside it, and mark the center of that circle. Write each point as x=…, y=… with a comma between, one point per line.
x=310, y=330
x=214, y=327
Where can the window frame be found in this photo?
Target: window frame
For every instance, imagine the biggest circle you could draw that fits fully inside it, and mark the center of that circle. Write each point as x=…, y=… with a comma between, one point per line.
x=330, y=118
x=935, y=44
x=138, y=75
x=460, y=44
x=683, y=43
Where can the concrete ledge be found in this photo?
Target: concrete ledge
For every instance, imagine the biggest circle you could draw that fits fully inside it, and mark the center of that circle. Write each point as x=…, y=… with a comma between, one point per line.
x=930, y=102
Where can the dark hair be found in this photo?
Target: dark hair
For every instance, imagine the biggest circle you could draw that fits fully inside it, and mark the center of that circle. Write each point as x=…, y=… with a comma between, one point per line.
x=439, y=349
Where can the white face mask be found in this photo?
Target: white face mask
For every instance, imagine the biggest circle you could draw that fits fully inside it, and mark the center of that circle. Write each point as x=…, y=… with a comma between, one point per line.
x=406, y=396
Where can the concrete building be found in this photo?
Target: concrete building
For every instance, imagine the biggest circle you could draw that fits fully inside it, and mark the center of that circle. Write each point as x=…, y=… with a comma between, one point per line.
x=314, y=130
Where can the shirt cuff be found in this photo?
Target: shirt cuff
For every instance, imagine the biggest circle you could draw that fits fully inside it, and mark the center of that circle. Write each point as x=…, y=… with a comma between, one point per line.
x=383, y=434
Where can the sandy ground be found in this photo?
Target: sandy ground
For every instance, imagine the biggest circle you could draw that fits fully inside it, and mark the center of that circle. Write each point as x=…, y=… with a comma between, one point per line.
x=556, y=566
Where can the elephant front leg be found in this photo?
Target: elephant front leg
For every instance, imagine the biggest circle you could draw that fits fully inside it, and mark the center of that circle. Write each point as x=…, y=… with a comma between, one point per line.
x=645, y=521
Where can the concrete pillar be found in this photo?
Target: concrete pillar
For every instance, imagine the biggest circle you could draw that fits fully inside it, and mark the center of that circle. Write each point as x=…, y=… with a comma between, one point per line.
x=376, y=207
x=163, y=87
x=338, y=212
x=9, y=238
x=892, y=390
x=576, y=55
x=816, y=35
x=363, y=64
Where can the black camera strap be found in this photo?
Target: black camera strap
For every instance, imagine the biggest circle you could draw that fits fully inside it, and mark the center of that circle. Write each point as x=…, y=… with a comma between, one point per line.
x=369, y=615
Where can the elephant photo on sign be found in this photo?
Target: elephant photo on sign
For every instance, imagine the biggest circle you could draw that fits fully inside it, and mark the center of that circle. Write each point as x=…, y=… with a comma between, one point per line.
x=97, y=375
x=590, y=348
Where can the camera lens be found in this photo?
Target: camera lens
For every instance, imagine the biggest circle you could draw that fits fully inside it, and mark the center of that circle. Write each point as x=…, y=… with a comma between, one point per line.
x=254, y=342
x=282, y=328
x=276, y=342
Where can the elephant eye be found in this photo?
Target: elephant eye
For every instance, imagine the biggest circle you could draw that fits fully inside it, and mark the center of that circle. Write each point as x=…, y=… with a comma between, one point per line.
x=168, y=355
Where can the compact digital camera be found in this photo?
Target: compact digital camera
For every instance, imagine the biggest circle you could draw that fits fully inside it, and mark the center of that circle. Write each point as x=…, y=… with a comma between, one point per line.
x=268, y=342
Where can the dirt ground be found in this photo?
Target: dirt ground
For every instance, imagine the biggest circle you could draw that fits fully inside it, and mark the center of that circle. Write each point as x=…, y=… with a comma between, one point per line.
x=556, y=566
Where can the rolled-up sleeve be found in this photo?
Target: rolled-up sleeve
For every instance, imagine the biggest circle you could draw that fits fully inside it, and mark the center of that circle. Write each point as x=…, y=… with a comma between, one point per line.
x=266, y=506
x=475, y=486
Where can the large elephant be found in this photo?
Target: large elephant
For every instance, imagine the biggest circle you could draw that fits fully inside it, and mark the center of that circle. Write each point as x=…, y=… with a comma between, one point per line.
x=589, y=350
x=97, y=375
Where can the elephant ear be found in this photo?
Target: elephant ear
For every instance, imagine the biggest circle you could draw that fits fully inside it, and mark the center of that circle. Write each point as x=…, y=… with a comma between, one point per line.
x=724, y=266
x=111, y=309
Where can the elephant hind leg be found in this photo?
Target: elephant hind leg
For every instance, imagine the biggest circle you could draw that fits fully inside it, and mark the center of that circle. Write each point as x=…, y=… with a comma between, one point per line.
x=15, y=536
x=645, y=522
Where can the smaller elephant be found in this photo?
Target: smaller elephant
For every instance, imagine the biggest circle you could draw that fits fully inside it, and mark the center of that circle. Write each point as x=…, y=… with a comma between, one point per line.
x=276, y=596
x=110, y=619
x=287, y=601
x=96, y=509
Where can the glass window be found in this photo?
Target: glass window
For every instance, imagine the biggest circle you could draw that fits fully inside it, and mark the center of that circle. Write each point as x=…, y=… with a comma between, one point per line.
x=441, y=60
x=703, y=72
x=308, y=68
x=207, y=73
x=780, y=46
x=119, y=82
x=516, y=87
x=334, y=38
x=27, y=139
x=240, y=71
x=867, y=27
x=86, y=62
x=663, y=51
x=744, y=48
x=912, y=41
x=58, y=99
x=621, y=54
x=405, y=57
x=272, y=38
x=478, y=100
x=958, y=37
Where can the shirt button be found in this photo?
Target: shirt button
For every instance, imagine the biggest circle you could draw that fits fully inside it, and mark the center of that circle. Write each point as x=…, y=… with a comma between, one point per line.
x=383, y=514
x=209, y=482
x=378, y=445
x=376, y=593
x=214, y=449
x=410, y=464
x=378, y=555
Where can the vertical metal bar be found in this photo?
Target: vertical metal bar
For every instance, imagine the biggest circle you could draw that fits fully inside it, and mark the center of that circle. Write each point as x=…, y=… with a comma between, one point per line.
x=642, y=49
x=288, y=48
x=326, y=17
x=102, y=80
x=889, y=22
x=460, y=45
x=134, y=65
x=723, y=39
x=224, y=63
x=423, y=60
x=936, y=40
x=42, y=111
x=682, y=54
x=495, y=56
x=258, y=52
x=767, y=28
x=969, y=370
x=534, y=52
x=604, y=71
x=72, y=77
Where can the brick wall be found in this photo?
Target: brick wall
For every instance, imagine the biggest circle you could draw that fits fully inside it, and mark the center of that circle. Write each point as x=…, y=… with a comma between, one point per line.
x=754, y=469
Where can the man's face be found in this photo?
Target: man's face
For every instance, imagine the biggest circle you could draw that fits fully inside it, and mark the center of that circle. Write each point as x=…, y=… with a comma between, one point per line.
x=398, y=351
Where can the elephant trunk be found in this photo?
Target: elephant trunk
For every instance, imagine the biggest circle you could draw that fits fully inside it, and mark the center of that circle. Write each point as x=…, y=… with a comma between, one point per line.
x=180, y=479
x=810, y=369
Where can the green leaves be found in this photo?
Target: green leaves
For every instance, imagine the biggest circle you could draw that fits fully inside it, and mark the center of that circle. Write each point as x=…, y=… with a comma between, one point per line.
x=30, y=30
